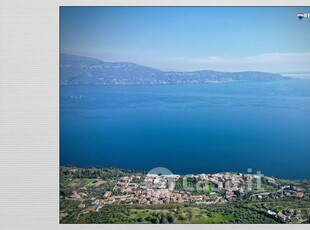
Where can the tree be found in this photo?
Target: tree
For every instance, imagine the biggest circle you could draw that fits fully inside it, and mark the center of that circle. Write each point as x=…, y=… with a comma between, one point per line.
x=190, y=215
x=170, y=218
x=140, y=219
x=155, y=220
x=163, y=220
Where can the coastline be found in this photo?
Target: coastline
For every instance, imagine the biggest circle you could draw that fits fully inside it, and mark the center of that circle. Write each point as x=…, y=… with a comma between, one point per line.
x=93, y=192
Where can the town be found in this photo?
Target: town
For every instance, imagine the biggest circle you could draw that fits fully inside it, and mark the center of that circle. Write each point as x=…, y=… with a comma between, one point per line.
x=201, y=189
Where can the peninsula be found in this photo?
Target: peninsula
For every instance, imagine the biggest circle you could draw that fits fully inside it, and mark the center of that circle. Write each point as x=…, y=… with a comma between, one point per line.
x=77, y=70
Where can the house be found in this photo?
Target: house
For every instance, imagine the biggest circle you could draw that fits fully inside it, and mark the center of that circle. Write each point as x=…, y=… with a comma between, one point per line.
x=229, y=194
x=271, y=180
x=111, y=199
x=161, y=187
x=133, y=185
x=196, y=198
x=107, y=194
x=126, y=190
x=101, y=202
x=95, y=202
x=299, y=189
x=271, y=213
x=92, y=209
x=151, y=176
x=299, y=194
x=83, y=194
x=154, y=201
x=81, y=206
x=63, y=215
x=220, y=185
x=220, y=200
x=171, y=186
x=75, y=195
x=202, y=176
x=289, y=212
x=282, y=218
x=297, y=213
x=72, y=171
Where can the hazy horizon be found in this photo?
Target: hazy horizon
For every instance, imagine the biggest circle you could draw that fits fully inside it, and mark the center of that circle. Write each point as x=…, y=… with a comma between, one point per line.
x=298, y=75
x=231, y=39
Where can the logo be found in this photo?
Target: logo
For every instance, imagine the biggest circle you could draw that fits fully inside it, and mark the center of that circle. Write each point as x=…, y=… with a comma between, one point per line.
x=301, y=15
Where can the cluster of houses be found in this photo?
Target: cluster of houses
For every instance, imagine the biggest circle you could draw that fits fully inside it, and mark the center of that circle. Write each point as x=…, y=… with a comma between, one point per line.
x=285, y=191
x=231, y=184
x=160, y=189
x=286, y=215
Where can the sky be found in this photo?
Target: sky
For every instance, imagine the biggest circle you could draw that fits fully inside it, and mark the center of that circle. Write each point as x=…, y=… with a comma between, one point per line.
x=270, y=39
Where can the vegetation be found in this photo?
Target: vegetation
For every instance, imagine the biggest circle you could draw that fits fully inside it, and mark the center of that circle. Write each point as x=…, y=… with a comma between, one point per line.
x=94, y=182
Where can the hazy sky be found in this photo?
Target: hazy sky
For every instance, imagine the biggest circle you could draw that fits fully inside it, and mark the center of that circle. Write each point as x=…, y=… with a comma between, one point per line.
x=269, y=39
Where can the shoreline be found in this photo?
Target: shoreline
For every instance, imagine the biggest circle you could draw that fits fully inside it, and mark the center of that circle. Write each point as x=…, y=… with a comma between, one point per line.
x=181, y=174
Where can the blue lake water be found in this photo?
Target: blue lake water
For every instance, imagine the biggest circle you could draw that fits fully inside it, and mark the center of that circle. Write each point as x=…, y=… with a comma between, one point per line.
x=191, y=128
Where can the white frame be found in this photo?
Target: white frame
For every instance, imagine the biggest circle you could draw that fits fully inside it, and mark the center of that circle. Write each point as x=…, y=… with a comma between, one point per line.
x=29, y=111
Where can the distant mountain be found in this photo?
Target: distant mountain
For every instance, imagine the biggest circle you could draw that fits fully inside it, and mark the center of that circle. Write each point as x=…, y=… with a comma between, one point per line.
x=77, y=70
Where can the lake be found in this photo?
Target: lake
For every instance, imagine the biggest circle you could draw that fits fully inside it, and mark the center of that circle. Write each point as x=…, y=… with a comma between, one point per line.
x=189, y=128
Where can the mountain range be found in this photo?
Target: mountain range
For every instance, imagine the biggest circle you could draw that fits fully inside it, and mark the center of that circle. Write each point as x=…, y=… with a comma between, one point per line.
x=78, y=70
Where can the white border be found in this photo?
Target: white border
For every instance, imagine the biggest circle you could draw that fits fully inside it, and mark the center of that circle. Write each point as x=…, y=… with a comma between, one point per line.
x=29, y=112
x=185, y=3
